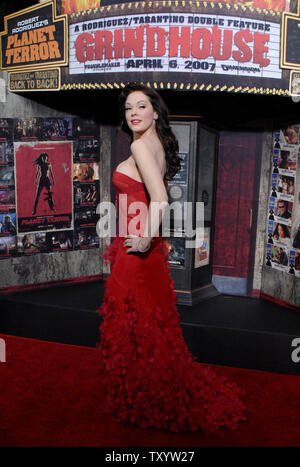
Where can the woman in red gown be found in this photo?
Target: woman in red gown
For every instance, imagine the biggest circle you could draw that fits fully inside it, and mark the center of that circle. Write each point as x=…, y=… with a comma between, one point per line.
x=151, y=378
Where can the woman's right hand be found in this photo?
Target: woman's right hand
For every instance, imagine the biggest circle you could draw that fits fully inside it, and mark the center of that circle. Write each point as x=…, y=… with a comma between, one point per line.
x=137, y=244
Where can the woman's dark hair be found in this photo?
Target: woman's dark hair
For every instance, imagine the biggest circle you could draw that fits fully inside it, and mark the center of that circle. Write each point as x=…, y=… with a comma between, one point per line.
x=40, y=159
x=164, y=131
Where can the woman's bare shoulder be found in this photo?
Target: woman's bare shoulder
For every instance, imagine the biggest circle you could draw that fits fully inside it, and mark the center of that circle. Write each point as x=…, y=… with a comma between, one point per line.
x=141, y=145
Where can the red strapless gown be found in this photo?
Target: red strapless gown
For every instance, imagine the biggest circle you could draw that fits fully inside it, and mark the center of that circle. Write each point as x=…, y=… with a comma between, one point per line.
x=151, y=378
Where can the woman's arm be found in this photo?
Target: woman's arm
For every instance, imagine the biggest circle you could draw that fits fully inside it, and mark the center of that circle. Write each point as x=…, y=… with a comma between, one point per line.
x=50, y=169
x=37, y=174
x=152, y=177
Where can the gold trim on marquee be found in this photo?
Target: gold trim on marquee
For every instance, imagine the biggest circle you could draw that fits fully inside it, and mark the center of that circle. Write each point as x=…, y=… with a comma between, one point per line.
x=176, y=3
x=181, y=86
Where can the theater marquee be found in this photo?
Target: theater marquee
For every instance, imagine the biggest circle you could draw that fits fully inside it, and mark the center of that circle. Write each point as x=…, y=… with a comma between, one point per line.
x=176, y=43
x=209, y=46
x=200, y=46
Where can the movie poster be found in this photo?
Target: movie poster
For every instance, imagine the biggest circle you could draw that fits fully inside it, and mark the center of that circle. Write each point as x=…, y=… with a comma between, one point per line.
x=56, y=129
x=294, y=263
x=6, y=129
x=86, y=150
x=7, y=198
x=6, y=176
x=86, y=198
x=43, y=172
x=283, y=228
x=8, y=230
x=6, y=153
x=8, y=246
x=177, y=194
x=295, y=228
x=85, y=129
x=202, y=251
x=7, y=234
x=86, y=176
x=86, y=237
x=32, y=243
x=62, y=240
x=8, y=223
x=28, y=129
x=278, y=257
x=176, y=248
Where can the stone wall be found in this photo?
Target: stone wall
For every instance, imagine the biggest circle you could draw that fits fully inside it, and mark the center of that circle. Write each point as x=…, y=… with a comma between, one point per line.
x=273, y=282
x=52, y=267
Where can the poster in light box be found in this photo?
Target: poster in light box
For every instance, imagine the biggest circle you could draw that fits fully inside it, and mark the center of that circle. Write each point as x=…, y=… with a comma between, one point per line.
x=44, y=185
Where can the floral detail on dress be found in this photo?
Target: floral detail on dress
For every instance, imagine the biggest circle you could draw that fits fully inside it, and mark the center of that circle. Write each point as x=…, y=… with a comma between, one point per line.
x=150, y=376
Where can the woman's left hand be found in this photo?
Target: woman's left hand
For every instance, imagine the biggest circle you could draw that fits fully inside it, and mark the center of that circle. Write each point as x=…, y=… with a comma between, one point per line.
x=132, y=242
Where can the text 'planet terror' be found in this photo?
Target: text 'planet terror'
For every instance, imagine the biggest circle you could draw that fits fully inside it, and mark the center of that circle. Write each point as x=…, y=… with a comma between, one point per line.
x=32, y=46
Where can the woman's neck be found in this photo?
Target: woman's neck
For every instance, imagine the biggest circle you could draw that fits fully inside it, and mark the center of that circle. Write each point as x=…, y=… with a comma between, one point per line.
x=149, y=133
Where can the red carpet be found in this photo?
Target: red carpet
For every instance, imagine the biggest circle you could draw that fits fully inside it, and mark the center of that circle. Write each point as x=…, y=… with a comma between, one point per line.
x=52, y=395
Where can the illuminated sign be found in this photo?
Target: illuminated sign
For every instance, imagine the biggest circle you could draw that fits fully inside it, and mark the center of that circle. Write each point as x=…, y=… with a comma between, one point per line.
x=189, y=43
x=35, y=80
x=75, y=6
x=205, y=46
x=33, y=38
